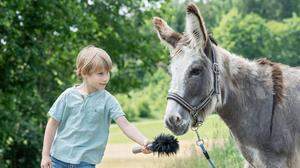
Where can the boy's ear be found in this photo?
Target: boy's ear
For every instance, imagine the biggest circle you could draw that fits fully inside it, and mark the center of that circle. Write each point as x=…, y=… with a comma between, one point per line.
x=165, y=33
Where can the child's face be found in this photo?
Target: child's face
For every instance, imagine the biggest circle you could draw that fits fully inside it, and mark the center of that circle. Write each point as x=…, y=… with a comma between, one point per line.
x=97, y=80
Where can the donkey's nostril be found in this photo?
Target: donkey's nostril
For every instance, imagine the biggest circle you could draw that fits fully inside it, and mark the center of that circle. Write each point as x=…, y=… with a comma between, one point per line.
x=175, y=120
x=178, y=119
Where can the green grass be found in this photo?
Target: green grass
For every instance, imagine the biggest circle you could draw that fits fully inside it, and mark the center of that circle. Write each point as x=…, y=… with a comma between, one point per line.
x=226, y=156
x=213, y=128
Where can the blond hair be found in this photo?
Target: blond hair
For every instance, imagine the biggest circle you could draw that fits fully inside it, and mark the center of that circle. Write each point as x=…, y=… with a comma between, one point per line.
x=91, y=59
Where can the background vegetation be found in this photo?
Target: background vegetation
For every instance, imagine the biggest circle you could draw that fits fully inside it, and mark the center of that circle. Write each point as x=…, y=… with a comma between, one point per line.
x=39, y=41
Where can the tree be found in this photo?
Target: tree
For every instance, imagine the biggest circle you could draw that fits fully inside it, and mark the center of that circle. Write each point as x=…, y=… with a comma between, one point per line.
x=255, y=37
x=285, y=41
x=39, y=41
x=248, y=36
x=270, y=9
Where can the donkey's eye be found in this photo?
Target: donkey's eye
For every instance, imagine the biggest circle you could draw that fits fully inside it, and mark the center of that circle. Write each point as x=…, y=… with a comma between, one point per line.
x=195, y=71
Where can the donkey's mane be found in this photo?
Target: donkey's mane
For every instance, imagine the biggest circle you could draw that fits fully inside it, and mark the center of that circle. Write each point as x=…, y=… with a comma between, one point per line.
x=277, y=78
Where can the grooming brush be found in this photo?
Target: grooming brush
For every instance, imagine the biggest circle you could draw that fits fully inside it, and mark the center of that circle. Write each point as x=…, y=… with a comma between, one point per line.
x=162, y=145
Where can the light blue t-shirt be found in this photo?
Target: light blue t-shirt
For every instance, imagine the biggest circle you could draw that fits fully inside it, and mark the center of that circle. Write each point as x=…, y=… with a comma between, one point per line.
x=84, y=125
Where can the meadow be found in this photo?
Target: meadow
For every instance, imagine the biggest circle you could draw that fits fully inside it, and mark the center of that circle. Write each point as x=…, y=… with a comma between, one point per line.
x=216, y=136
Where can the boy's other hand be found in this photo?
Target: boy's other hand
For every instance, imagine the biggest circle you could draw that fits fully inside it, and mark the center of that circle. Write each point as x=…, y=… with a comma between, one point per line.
x=46, y=162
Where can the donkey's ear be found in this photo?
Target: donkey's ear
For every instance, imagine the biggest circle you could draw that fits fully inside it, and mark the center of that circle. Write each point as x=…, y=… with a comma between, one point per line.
x=165, y=33
x=195, y=26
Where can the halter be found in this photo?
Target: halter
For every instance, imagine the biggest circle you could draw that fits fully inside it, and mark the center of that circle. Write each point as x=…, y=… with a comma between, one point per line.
x=193, y=110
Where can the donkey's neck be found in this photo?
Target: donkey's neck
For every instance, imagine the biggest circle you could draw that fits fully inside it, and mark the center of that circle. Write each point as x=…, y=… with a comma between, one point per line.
x=247, y=96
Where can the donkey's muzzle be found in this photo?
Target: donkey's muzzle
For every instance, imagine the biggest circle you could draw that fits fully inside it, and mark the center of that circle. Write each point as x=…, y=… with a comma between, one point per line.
x=175, y=120
x=176, y=125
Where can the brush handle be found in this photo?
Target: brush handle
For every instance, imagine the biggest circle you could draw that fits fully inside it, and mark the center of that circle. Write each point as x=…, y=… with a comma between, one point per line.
x=139, y=149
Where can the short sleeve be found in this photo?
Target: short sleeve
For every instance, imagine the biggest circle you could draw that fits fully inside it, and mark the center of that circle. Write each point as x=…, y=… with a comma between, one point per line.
x=58, y=107
x=115, y=109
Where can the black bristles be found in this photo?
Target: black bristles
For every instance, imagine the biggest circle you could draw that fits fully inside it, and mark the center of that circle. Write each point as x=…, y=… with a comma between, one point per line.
x=164, y=145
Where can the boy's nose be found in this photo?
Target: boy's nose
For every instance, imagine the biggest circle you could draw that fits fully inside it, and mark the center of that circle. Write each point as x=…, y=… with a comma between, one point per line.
x=106, y=78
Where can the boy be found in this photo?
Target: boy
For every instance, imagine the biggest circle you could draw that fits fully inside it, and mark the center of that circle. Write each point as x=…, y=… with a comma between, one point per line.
x=77, y=131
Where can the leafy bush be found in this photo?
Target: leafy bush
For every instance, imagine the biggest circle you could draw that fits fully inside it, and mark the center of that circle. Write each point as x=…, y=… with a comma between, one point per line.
x=248, y=36
x=144, y=110
x=285, y=41
x=253, y=37
x=149, y=102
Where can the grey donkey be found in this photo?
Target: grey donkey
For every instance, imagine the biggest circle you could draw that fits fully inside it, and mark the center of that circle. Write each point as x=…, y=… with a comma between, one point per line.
x=258, y=100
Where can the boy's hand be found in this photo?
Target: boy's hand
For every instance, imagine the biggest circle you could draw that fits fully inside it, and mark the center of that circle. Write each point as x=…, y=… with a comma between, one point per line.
x=145, y=149
x=46, y=162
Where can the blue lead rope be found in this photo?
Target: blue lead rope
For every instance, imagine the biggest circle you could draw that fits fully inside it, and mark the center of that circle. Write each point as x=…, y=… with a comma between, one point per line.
x=200, y=143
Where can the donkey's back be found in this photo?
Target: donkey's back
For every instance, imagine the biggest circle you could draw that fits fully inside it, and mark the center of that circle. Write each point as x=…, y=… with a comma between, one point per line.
x=291, y=84
x=285, y=138
x=291, y=110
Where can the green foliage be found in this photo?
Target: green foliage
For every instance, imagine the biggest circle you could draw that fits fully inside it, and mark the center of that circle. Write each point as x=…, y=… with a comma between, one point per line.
x=285, y=41
x=128, y=107
x=149, y=102
x=39, y=41
x=144, y=110
x=270, y=9
x=212, y=12
x=254, y=37
x=248, y=36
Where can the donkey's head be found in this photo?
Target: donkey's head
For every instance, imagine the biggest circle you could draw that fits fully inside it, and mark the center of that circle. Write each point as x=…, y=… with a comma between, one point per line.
x=190, y=68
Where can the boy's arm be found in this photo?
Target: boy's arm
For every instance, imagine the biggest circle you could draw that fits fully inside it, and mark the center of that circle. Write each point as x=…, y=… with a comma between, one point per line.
x=131, y=131
x=49, y=136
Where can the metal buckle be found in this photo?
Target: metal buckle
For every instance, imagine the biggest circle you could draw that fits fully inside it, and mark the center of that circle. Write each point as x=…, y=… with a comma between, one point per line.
x=216, y=68
x=194, y=128
x=199, y=142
